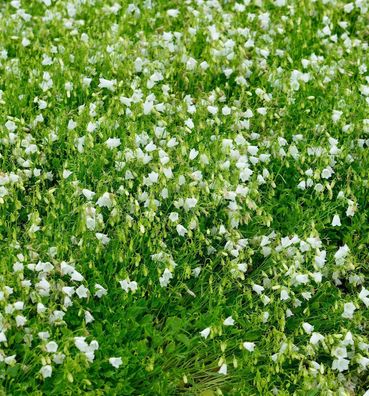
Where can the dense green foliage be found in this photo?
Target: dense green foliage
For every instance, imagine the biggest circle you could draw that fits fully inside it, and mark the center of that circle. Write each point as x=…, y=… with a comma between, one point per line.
x=184, y=197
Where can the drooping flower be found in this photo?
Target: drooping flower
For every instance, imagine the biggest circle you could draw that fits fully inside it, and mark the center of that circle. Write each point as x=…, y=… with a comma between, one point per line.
x=348, y=310
x=108, y=84
x=116, y=362
x=223, y=369
x=113, y=142
x=46, y=371
x=205, y=333
x=229, y=321
x=249, y=346
x=336, y=222
x=51, y=347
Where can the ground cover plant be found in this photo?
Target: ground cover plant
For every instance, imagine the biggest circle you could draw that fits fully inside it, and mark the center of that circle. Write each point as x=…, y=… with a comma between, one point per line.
x=184, y=197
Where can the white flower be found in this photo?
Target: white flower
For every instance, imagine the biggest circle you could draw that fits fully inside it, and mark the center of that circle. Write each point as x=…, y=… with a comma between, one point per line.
x=341, y=254
x=10, y=126
x=90, y=356
x=86, y=81
x=148, y=106
x=226, y=110
x=66, y=269
x=103, y=238
x=3, y=191
x=327, y=173
x=205, y=333
x=289, y=313
x=150, y=147
x=88, y=317
x=133, y=286
x=173, y=216
x=189, y=123
x=115, y=361
x=348, y=7
x=363, y=295
x=336, y=222
x=82, y=292
x=301, y=279
x=46, y=371
x=2, y=337
x=229, y=321
x=100, y=291
x=10, y=360
x=25, y=41
x=91, y=218
x=113, y=142
x=317, y=276
x=307, y=327
x=181, y=230
x=66, y=173
x=316, y=338
x=88, y=193
x=91, y=127
x=189, y=203
x=56, y=316
x=223, y=369
x=153, y=177
x=191, y=64
x=40, y=308
x=284, y=295
x=249, y=346
x=364, y=362
x=204, y=65
x=340, y=364
x=257, y=289
x=20, y=320
x=18, y=305
x=351, y=209
x=76, y=276
x=71, y=125
x=320, y=258
x=108, y=84
x=348, y=310
x=336, y=115
x=193, y=154
x=128, y=285
x=81, y=344
x=51, y=346
x=348, y=340
x=173, y=12
x=364, y=90
x=165, y=278
x=105, y=201
x=124, y=284
x=280, y=3
x=212, y=110
x=58, y=358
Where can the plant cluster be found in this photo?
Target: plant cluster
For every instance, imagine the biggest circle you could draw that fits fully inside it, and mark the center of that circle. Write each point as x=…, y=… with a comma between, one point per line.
x=184, y=197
